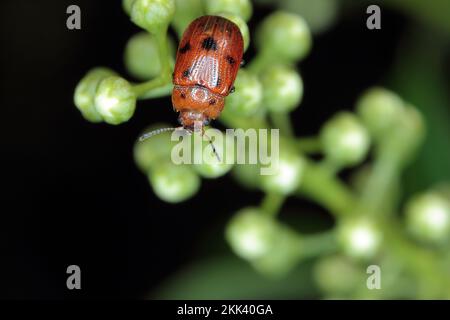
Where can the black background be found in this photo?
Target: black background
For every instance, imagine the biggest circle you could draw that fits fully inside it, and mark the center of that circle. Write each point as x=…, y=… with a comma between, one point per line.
x=71, y=192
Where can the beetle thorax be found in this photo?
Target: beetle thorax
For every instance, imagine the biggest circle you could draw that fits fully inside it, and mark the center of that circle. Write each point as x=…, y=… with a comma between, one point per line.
x=196, y=103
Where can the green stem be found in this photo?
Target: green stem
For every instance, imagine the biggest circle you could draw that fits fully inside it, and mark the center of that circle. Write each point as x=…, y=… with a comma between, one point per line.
x=381, y=183
x=145, y=89
x=158, y=92
x=163, y=53
x=160, y=84
x=323, y=187
x=318, y=244
x=434, y=281
x=272, y=203
x=282, y=122
x=309, y=145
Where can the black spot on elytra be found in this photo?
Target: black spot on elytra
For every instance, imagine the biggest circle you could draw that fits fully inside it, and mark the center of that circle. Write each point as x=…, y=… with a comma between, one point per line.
x=185, y=48
x=212, y=101
x=182, y=95
x=231, y=60
x=209, y=44
x=219, y=81
x=186, y=73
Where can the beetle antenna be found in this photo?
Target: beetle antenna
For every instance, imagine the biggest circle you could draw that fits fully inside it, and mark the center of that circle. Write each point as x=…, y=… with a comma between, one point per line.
x=150, y=134
x=212, y=146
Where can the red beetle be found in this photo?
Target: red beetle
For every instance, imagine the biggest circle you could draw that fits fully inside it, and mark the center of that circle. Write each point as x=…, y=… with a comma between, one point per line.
x=208, y=59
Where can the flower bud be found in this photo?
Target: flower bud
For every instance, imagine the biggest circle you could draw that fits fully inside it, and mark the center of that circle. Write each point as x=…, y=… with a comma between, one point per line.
x=250, y=233
x=115, y=100
x=142, y=57
x=288, y=176
x=282, y=88
x=85, y=93
x=213, y=165
x=285, y=36
x=186, y=11
x=406, y=136
x=337, y=275
x=173, y=183
x=242, y=25
x=359, y=238
x=247, y=98
x=127, y=5
x=319, y=14
x=380, y=110
x=242, y=8
x=247, y=174
x=428, y=217
x=344, y=139
x=283, y=256
x=152, y=151
x=153, y=15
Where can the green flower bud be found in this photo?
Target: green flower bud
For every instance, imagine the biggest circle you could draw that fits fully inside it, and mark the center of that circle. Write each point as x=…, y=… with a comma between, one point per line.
x=247, y=174
x=359, y=238
x=151, y=152
x=242, y=25
x=406, y=136
x=283, y=255
x=319, y=14
x=85, y=93
x=173, y=183
x=115, y=100
x=153, y=15
x=247, y=98
x=337, y=275
x=344, y=139
x=428, y=217
x=288, y=176
x=242, y=8
x=186, y=11
x=127, y=5
x=282, y=88
x=380, y=110
x=285, y=36
x=142, y=57
x=250, y=233
x=211, y=166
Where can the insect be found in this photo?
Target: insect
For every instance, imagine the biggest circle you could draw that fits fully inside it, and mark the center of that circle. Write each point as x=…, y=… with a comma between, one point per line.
x=208, y=59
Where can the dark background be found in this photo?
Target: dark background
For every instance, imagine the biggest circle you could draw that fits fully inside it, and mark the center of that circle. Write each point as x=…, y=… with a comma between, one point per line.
x=71, y=191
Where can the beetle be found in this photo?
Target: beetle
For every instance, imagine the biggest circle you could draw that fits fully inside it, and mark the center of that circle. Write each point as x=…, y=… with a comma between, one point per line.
x=208, y=59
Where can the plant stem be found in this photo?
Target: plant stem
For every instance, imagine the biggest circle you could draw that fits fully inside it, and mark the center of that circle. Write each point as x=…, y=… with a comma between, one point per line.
x=158, y=92
x=318, y=244
x=283, y=122
x=420, y=262
x=323, y=187
x=272, y=203
x=380, y=184
x=161, y=83
x=309, y=145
